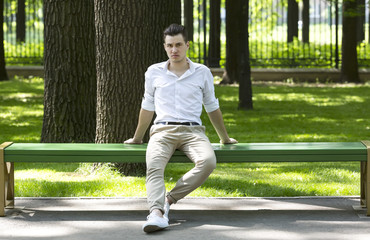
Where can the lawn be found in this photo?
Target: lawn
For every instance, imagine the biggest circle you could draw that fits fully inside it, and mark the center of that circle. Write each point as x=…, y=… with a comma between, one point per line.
x=282, y=113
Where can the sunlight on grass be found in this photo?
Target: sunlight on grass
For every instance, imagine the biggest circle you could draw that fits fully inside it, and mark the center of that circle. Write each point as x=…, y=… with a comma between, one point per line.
x=282, y=113
x=21, y=110
x=79, y=183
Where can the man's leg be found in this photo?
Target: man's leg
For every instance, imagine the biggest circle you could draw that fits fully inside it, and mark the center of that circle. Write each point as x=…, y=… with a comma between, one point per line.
x=199, y=150
x=159, y=151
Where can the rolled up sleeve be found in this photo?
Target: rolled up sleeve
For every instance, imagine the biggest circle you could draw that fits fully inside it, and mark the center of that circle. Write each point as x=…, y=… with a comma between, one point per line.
x=148, y=98
x=210, y=101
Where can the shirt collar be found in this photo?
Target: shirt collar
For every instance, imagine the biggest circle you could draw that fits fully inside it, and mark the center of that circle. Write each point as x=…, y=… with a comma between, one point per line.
x=164, y=65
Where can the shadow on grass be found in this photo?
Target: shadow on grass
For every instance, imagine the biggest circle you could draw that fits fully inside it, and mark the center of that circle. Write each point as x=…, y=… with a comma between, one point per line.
x=26, y=128
x=59, y=167
x=43, y=188
x=276, y=179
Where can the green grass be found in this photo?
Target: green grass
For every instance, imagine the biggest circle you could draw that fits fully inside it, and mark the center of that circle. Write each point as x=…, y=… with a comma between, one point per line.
x=282, y=113
x=21, y=110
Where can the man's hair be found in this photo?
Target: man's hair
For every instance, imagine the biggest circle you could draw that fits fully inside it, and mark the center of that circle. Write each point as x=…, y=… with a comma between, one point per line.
x=175, y=29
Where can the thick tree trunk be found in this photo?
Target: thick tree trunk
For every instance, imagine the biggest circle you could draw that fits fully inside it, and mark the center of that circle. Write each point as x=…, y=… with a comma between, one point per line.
x=361, y=12
x=306, y=21
x=70, y=77
x=292, y=20
x=232, y=48
x=189, y=18
x=244, y=68
x=129, y=37
x=3, y=73
x=21, y=21
x=237, y=50
x=349, y=71
x=214, y=50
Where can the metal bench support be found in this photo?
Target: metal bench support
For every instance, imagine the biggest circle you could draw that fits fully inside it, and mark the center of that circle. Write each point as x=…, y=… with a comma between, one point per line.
x=365, y=180
x=6, y=181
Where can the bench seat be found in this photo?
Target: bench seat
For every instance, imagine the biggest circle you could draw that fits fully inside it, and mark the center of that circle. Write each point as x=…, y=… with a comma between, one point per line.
x=241, y=152
x=128, y=153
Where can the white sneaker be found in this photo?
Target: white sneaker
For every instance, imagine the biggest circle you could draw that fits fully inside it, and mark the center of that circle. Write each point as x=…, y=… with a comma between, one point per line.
x=166, y=210
x=155, y=223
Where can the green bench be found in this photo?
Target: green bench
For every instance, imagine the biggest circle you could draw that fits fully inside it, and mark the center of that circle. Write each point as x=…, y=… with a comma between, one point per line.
x=11, y=153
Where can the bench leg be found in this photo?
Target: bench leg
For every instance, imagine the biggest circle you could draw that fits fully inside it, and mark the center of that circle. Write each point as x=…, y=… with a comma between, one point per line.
x=9, y=200
x=6, y=181
x=363, y=183
x=368, y=183
x=365, y=179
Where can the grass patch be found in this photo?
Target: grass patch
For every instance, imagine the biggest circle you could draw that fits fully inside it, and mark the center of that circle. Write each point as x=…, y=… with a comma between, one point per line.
x=283, y=113
x=21, y=109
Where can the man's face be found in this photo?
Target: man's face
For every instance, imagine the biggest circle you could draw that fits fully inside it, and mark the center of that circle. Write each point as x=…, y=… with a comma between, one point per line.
x=176, y=48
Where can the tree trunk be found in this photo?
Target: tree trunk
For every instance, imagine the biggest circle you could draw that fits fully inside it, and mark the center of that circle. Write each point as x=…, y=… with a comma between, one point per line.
x=349, y=71
x=306, y=21
x=70, y=77
x=21, y=21
x=129, y=36
x=244, y=68
x=237, y=50
x=189, y=18
x=214, y=50
x=232, y=48
x=361, y=11
x=3, y=73
x=292, y=20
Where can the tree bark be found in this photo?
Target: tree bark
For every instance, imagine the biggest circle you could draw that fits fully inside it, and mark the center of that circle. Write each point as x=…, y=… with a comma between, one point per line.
x=70, y=77
x=361, y=11
x=129, y=37
x=189, y=18
x=292, y=20
x=349, y=71
x=21, y=21
x=232, y=24
x=3, y=73
x=214, y=50
x=306, y=21
x=244, y=69
x=237, y=50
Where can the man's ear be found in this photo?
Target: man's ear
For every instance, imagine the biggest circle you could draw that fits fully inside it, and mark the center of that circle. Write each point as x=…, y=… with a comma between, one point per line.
x=187, y=44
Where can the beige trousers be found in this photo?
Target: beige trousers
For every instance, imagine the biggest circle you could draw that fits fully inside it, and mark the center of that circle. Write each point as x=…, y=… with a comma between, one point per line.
x=164, y=140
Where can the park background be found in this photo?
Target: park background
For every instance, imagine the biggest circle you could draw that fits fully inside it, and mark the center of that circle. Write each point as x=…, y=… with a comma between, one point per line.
x=294, y=109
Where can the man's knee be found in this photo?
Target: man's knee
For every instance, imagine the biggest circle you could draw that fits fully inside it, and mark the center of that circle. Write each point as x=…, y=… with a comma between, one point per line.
x=208, y=163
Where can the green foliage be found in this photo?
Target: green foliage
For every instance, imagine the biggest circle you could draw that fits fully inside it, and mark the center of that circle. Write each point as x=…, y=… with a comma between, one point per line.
x=267, y=38
x=295, y=54
x=24, y=53
x=263, y=15
x=31, y=51
x=283, y=113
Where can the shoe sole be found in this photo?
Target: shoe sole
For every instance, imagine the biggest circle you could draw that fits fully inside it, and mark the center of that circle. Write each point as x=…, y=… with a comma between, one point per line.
x=152, y=228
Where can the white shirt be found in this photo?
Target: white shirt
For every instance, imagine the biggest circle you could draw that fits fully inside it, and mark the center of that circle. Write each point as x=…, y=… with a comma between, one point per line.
x=179, y=99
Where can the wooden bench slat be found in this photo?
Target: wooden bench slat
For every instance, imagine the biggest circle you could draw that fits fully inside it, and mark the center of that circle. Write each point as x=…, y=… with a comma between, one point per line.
x=183, y=158
x=242, y=152
x=241, y=148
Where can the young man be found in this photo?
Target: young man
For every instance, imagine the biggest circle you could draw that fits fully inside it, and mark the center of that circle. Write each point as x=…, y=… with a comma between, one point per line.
x=175, y=90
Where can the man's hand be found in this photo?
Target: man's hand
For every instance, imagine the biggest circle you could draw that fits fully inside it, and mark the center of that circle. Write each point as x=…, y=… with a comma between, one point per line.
x=229, y=141
x=133, y=141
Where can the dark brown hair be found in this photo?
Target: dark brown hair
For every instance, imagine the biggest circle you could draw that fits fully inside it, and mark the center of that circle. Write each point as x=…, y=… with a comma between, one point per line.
x=175, y=29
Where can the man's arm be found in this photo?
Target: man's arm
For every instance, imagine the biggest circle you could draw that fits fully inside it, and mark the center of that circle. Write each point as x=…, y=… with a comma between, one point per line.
x=218, y=123
x=145, y=118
